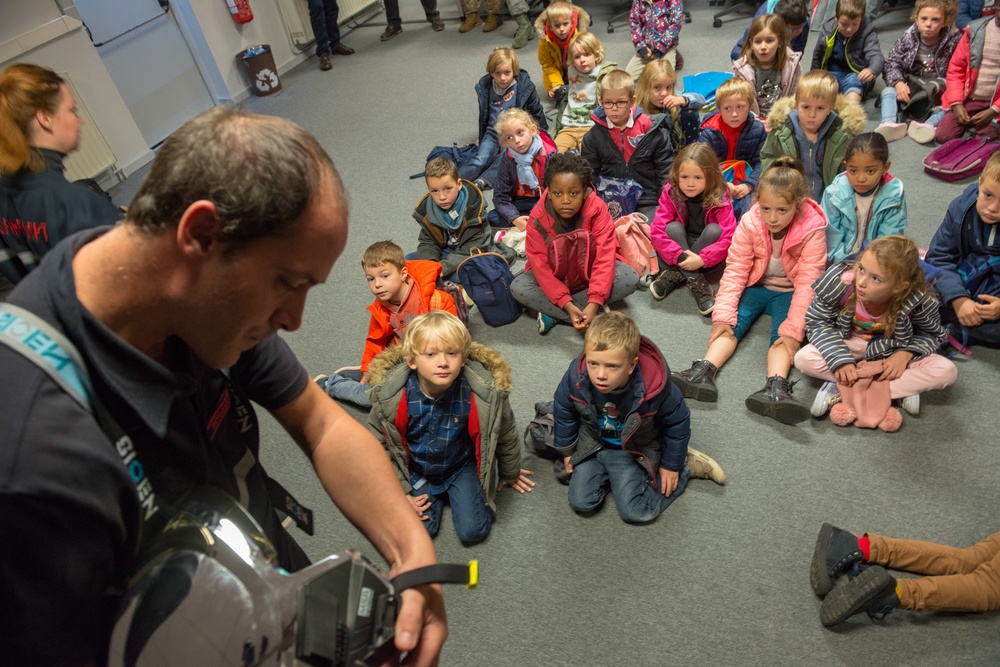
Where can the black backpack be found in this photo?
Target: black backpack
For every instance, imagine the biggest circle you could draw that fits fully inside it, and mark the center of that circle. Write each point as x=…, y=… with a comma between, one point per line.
x=486, y=277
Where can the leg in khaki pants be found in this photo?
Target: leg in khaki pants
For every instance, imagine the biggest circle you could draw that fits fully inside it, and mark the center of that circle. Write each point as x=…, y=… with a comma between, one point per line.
x=962, y=579
x=570, y=138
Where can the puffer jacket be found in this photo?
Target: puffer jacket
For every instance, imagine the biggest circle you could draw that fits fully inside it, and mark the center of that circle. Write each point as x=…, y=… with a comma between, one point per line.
x=657, y=424
x=474, y=232
x=656, y=25
x=672, y=208
x=527, y=99
x=550, y=57
x=903, y=54
x=790, y=74
x=781, y=140
x=495, y=436
x=861, y=50
x=803, y=256
x=748, y=144
x=963, y=69
x=652, y=153
x=888, y=215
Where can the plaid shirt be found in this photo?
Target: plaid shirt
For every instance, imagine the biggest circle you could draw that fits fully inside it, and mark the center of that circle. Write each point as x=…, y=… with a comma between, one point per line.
x=438, y=435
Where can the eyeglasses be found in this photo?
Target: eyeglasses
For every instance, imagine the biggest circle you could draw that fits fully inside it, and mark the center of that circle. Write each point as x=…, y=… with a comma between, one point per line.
x=621, y=104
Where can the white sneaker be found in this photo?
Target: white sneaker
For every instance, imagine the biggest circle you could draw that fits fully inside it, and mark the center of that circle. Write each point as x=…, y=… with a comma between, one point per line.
x=922, y=133
x=827, y=397
x=892, y=131
x=704, y=466
x=911, y=404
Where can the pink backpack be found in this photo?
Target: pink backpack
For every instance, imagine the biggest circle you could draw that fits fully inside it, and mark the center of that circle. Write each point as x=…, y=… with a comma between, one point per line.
x=962, y=157
x=633, y=238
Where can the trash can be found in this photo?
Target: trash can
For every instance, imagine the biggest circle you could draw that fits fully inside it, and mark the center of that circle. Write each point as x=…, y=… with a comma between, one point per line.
x=258, y=66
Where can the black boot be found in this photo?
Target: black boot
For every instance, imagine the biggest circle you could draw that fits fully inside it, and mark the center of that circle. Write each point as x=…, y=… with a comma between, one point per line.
x=775, y=401
x=698, y=382
x=702, y=294
x=873, y=592
x=836, y=552
x=666, y=282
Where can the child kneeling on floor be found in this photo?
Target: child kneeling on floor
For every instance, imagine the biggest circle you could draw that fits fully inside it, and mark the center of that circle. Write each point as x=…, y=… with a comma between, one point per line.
x=621, y=425
x=778, y=252
x=876, y=308
x=440, y=407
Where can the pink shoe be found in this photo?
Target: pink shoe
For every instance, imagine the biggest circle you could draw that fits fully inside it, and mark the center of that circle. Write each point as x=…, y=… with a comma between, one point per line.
x=892, y=131
x=922, y=133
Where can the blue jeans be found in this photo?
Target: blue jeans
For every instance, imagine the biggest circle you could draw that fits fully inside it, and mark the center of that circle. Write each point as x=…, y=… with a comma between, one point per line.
x=637, y=497
x=489, y=150
x=472, y=518
x=323, y=16
x=759, y=300
x=523, y=206
x=347, y=386
x=849, y=82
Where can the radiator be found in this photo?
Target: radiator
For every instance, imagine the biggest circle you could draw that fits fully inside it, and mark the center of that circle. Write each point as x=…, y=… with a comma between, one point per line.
x=296, y=16
x=95, y=155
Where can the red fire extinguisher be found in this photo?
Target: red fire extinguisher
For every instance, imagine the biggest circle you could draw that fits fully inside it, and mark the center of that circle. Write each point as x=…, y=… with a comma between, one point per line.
x=240, y=9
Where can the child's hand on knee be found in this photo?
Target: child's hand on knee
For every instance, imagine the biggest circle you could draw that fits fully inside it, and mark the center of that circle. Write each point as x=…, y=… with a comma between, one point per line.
x=668, y=481
x=961, y=114
x=967, y=311
x=421, y=504
x=990, y=310
x=691, y=262
x=569, y=466
x=790, y=345
x=893, y=367
x=846, y=374
x=866, y=75
x=902, y=92
x=720, y=331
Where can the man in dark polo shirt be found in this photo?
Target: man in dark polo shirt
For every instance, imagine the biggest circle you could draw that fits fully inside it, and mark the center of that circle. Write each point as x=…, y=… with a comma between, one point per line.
x=240, y=216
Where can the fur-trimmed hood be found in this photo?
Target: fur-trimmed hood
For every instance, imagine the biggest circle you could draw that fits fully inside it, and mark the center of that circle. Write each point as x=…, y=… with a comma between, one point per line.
x=495, y=365
x=582, y=20
x=851, y=114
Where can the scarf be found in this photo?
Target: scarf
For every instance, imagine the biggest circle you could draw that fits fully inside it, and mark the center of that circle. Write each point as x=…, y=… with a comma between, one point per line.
x=564, y=43
x=452, y=218
x=525, y=174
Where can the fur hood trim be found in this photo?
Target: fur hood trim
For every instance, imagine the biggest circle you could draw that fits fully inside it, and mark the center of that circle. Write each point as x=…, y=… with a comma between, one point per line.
x=582, y=20
x=490, y=359
x=851, y=114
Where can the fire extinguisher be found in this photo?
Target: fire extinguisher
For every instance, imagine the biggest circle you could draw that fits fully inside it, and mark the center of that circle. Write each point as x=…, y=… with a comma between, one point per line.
x=240, y=9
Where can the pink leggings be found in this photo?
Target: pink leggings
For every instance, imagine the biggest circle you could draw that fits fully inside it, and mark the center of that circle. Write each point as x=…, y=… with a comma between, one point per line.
x=962, y=579
x=930, y=372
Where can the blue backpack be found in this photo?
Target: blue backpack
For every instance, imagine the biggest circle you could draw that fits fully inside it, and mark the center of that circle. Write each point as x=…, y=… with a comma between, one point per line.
x=486, y=277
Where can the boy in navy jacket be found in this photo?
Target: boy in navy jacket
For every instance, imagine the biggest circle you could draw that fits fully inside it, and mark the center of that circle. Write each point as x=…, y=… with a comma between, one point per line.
x=621, y=425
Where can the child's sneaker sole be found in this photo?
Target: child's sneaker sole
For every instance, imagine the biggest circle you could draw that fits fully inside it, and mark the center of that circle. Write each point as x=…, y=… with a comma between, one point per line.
x=819, y=578
x=786, y=412
x=845, y=601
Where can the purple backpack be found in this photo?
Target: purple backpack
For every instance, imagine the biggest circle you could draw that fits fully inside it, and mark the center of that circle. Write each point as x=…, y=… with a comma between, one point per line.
x=962, y=157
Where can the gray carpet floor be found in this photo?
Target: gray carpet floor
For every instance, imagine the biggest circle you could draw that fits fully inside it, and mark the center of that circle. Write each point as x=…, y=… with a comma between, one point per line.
x=722, y=576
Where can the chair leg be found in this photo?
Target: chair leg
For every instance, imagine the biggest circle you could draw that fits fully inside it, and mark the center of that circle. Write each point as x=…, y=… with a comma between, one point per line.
x=742, y=6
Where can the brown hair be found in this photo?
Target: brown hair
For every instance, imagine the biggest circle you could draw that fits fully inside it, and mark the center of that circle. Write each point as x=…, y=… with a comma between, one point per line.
x=734, y=87
x=704, y=157
x=613, y=331
x=617, y=79
x=785, y=178
x=850, y=9
x=776, y=26
x=440, y=167
x=383, y=252
x=949, y=8
x=899, y=258
x=25, y=89
x=501, y=55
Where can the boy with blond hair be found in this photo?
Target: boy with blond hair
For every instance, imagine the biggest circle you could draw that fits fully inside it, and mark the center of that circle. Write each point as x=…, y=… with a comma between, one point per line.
x=815, y=127
x=586, y=69
x=557, y=26
x=848, y=48
x=631, y=436
x=734, y=133
x=440, y=407
x=626, y=143
x=403, y=290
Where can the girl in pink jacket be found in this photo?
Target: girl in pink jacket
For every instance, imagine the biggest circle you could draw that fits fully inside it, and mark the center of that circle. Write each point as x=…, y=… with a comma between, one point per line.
x=778, y=252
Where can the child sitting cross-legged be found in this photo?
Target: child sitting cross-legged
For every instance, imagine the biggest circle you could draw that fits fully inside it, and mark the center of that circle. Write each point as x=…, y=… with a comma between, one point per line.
x=622, y=426
x=583, y=80
x=876, y=308
x=768, y=64
x=778, y=251
x=440, y=407
x=865, y=202
x=574, y=261
x=655, y=94
x=814, y=127
x=403, y=290
x=848, y=48
x=693, y=227
x=625, y=143
x=734, y=133
x=522, y=168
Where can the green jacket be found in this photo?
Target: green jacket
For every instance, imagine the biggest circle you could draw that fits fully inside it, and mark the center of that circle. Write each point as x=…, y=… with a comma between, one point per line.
x=474, y=232
x=781, y=138
x=498, y=446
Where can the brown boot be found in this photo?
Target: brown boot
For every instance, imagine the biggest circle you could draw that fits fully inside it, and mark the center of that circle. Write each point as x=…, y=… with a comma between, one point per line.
x=472, y=19
x=493, y=21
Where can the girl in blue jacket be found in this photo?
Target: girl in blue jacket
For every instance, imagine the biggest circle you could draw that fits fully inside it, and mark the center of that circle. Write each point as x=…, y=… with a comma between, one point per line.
x=865, y=201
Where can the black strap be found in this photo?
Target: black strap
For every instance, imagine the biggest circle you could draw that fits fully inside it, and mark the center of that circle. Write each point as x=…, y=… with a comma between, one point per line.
x=439, y=573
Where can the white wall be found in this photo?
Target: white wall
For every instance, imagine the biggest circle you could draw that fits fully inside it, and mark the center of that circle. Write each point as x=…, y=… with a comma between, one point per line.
x=19, y=16
x=64, y=46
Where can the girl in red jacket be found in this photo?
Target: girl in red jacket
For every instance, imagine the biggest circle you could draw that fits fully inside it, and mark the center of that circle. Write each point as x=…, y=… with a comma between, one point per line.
x=778, y=252
x=574, y=263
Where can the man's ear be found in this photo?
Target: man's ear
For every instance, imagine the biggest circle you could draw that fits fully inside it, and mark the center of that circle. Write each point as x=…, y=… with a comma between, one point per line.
x=197, y=228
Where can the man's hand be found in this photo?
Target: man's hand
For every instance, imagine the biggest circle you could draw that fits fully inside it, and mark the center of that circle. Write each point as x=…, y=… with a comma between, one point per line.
x=420, y=504
x=668, y=481
x=902, y=92
x=521, y=484
x=983, y=118
x=990, y=310
x=422, y=625
x=961, y=115
x=846, y=374
x=719, y=331
x=790, y=344
x=894, y=366
x=967, y=311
